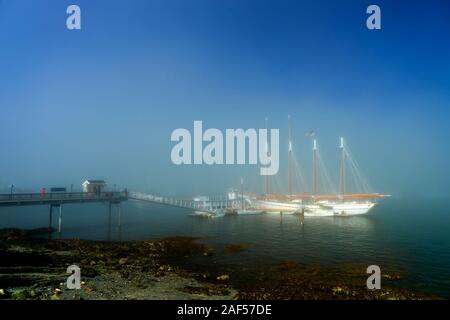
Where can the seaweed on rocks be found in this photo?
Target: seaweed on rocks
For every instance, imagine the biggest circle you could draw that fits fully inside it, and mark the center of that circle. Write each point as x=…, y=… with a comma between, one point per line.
x=32, y=267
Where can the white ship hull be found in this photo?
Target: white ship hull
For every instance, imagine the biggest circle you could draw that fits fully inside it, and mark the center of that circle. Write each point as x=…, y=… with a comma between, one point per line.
x=277, y=206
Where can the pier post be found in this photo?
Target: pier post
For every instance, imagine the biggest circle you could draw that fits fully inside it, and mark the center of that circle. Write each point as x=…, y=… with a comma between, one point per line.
x=50, y=216
x=119, y=206
x=109, y=221
x=60, y=220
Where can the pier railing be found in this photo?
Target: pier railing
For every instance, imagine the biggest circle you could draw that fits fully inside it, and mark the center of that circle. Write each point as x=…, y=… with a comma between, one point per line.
x=24, y=198
x=206, y=206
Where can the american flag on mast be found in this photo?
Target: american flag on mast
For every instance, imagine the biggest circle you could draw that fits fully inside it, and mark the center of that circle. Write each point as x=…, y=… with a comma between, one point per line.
x=311, y=134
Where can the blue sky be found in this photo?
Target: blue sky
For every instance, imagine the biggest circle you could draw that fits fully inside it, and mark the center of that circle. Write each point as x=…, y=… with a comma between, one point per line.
x=102, y=102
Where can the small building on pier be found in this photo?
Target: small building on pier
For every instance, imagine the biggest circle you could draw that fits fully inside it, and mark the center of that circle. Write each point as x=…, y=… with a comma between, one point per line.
x=95, y=186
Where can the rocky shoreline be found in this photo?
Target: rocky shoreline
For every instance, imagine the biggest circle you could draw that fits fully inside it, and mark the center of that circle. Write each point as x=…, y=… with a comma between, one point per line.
x=35, y=268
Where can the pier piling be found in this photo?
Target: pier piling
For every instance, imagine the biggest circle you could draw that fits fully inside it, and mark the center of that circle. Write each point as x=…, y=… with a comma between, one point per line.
x=60, y=220
x=50, y=219
x=109, y=221
x=119, y=207
x=119, y=222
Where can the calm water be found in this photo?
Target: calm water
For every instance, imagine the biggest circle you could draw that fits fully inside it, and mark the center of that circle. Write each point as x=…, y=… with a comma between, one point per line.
x=410, y=237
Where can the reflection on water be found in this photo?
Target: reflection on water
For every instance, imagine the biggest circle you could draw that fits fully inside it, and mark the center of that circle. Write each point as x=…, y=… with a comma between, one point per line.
x=394, y=234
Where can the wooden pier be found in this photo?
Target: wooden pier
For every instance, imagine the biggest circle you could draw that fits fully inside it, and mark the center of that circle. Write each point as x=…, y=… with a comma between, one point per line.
x=208, y=206
x=58, y=199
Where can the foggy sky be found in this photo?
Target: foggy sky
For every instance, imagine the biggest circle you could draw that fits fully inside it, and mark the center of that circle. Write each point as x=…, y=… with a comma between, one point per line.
x=102, y=102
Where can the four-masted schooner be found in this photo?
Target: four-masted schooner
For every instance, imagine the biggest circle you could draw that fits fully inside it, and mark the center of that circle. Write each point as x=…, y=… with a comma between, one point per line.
x=314, y=203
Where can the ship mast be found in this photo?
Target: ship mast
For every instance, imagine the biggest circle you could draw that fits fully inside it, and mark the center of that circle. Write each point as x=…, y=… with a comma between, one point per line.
x=267, y=176
x=290, y=158
x=342, y=170
x=314, y=168
x=242, y=193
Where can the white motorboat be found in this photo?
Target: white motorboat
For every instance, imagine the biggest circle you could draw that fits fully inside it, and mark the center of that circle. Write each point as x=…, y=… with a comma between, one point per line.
x=317, y=210
x=325, y=208
x=351, y=208
x=205, y=214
